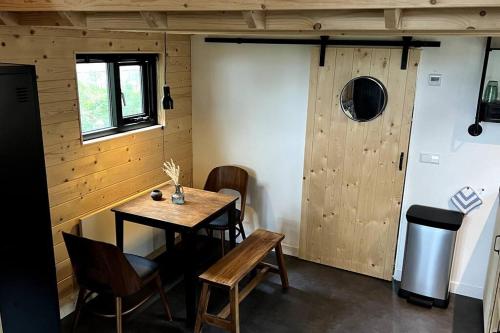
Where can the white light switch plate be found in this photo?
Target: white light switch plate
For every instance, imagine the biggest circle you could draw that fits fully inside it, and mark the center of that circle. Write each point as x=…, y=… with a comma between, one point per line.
x=429, y=158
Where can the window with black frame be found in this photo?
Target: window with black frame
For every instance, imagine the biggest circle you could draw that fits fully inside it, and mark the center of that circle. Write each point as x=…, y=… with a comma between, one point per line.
x=116, y=93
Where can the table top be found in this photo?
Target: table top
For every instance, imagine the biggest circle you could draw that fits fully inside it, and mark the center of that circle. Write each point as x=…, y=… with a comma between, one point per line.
x=198, y=207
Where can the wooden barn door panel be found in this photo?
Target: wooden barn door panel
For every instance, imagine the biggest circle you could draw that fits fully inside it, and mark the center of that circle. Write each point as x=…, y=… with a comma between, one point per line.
x=352, y=183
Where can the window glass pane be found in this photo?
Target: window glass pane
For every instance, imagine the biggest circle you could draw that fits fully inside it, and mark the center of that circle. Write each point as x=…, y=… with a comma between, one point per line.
x=131, y=87
x=93, y=95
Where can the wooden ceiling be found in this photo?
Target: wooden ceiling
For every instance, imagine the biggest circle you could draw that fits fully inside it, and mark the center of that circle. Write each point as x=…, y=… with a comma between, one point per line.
x=334, y=17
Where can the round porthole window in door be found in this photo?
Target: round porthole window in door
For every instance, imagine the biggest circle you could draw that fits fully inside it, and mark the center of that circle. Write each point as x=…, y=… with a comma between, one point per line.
x=363, y=98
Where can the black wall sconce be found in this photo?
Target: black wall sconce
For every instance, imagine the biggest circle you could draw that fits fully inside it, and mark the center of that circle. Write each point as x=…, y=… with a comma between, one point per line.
x=167, y=102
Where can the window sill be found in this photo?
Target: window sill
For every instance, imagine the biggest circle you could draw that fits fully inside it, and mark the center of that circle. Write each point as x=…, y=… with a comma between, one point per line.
x=119, y=135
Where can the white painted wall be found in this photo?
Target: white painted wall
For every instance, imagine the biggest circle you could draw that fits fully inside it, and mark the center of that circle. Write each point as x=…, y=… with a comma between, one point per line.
x=249, y=109
x=441, y=117
x=137, y=239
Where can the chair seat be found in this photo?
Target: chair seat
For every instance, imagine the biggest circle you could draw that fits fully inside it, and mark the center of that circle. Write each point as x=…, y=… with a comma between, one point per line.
x=144, y=267
x=222, y=223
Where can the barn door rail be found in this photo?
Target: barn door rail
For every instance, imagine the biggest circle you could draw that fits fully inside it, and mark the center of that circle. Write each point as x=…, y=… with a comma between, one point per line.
x=406, y=43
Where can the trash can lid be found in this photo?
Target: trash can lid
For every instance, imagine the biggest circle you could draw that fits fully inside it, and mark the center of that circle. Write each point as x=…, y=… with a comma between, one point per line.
x=435, y=217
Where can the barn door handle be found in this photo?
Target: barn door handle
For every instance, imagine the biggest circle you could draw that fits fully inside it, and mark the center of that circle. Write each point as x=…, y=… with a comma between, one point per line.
x=495, y=245
x=401, y=158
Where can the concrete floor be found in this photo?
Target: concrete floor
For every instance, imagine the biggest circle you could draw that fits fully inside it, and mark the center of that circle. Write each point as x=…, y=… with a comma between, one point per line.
x=320, y=299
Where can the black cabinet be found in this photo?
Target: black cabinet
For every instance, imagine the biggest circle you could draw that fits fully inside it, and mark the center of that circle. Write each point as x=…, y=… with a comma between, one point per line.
x=28, y=287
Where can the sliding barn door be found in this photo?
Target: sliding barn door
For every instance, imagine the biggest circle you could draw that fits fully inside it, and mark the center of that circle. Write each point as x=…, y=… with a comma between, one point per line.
x=354, y=171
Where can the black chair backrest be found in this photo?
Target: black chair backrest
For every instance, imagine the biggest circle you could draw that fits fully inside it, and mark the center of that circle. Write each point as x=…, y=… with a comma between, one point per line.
x=101, y=267
x=229, y=177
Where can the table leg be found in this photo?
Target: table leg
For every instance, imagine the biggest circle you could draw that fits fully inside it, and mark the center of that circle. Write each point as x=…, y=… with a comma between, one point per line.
x=169, y=240
x=232, y=225
x=119, y=231
x=190, y=277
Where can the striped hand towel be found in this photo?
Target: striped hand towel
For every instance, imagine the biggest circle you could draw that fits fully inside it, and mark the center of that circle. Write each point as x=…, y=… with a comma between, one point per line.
x=466, y=199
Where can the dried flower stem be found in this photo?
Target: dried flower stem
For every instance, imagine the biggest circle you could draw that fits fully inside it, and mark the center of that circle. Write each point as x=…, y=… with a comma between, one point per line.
x=172, y=170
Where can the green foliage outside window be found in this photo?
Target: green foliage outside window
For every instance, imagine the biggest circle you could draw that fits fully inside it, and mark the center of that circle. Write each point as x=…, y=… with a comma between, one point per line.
x=93, y=94
x=131, y=87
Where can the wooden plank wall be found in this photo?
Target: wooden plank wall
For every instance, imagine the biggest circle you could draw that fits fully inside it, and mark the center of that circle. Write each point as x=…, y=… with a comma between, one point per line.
x=85, y=178
x=178, y=140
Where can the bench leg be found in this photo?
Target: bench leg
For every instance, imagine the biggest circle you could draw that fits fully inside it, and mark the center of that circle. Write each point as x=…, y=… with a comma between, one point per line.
x=235, y=309
x=202, y=307
x=281, y=264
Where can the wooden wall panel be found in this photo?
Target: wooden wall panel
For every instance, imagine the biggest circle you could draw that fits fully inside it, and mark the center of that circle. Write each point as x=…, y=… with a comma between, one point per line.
x=59, y=112
x=178, y=138
x=84, y=178
x=72, y=150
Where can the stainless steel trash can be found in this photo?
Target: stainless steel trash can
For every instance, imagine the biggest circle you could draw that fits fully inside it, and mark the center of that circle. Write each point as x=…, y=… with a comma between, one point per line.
x=430, y=243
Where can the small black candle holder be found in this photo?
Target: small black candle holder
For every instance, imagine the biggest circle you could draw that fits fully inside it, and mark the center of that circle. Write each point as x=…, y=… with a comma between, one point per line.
x=156, y=195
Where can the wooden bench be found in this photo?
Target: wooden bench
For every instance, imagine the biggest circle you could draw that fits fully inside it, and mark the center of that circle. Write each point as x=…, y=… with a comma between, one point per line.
x=231, y=269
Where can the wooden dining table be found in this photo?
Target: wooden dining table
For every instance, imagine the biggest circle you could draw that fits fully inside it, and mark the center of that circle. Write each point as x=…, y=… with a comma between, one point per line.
x=199, y=209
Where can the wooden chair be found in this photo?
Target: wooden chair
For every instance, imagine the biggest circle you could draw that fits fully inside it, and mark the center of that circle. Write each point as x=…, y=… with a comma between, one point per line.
x=233, y=178
x=231, y=269
x=102, y=268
